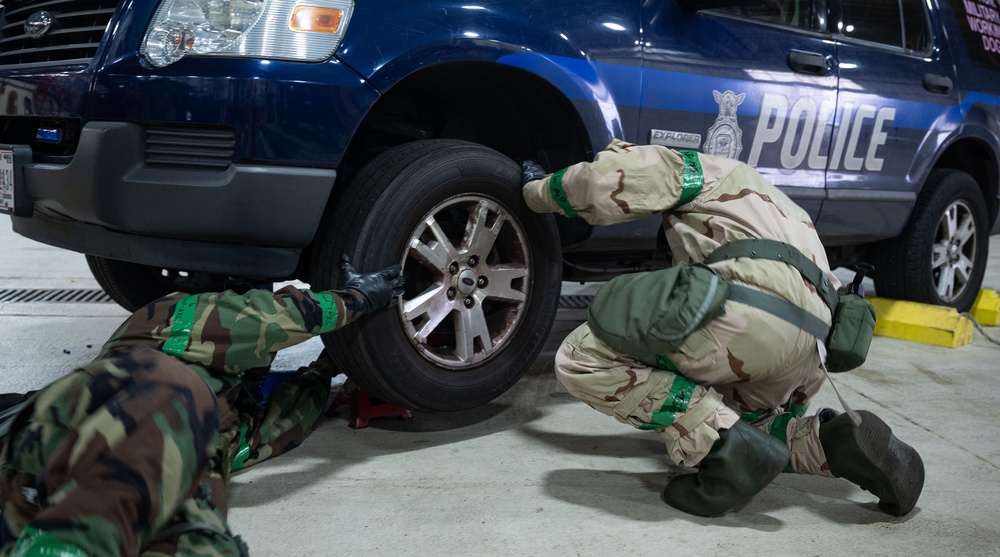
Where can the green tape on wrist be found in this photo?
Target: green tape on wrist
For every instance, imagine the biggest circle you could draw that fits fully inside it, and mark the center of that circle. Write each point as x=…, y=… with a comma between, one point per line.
x=329, y=312
x=559, y=194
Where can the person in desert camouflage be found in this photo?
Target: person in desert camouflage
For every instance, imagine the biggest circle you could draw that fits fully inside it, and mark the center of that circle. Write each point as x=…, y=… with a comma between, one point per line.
x=730, y=399
x=131, y=454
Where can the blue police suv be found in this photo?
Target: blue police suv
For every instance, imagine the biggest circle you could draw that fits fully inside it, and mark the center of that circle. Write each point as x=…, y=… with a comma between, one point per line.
x=185, y=144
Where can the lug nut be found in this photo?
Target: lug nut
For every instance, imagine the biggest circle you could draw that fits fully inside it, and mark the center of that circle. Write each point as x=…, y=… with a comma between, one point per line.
x=451, y=293
x=453, y=268
x=469, y=301
x=473, y=261
x=482, y=282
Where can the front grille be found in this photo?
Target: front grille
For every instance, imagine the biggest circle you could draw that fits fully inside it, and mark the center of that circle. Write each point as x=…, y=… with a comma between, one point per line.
x=190, y=147
x=77, y=30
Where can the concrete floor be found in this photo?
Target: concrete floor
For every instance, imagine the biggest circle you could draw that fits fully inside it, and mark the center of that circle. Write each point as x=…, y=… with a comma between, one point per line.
x=536, y=472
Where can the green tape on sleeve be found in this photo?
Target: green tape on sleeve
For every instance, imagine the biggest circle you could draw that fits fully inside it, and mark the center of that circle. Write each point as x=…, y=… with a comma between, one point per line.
x=680, y=395
x=664, y=362
x=329, y=312
x=693, y=180
x=559, y=194
x=180, y=327
x=677, y=401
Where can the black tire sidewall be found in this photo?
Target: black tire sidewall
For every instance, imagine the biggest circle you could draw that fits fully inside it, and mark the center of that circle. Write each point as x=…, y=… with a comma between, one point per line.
x=912, y=252
x=131, y=285
x=407, y=190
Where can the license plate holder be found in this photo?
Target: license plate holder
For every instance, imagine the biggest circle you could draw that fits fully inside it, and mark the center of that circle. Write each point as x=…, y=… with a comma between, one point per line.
x=13, y=195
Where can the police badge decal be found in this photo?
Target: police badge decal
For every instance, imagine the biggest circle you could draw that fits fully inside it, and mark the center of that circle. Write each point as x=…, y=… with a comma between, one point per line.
x=725, y=138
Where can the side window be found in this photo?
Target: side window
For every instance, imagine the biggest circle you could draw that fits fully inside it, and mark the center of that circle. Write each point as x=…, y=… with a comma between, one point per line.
x=794, y=13
x=899, y=23
x=916, y=28
x=978, y=21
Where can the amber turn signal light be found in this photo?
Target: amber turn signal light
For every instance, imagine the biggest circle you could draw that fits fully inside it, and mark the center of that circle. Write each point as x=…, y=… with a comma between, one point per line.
x=316, y=18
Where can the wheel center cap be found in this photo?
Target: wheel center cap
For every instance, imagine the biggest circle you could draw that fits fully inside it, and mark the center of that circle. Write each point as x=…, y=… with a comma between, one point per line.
x=467, y=281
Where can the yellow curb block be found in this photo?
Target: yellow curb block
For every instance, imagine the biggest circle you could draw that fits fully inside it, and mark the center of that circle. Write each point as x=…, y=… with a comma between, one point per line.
x=924, y=323
x=986, y=308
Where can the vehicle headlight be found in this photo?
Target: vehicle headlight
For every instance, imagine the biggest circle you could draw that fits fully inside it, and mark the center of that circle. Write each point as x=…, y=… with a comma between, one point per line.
x=302, y=30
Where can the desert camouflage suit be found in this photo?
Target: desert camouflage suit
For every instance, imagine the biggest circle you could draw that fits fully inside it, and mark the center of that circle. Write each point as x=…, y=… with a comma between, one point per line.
x=745, y=364
x=131, y=454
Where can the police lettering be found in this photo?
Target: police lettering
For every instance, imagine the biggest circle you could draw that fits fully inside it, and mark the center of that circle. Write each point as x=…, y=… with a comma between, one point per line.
x=801, y=128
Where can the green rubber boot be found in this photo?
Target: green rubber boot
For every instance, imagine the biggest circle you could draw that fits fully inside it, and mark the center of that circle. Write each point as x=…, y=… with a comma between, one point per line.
x=741, y=463
x=870, y=456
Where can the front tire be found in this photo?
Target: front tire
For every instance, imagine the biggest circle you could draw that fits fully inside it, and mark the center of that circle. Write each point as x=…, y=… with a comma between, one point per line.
x=133, y=286
x=940, y=257
x=483, y=275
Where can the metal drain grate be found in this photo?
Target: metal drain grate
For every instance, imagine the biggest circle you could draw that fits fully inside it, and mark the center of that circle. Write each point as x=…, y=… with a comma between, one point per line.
x=54, y=295
x=575, y=302
x=94, y=296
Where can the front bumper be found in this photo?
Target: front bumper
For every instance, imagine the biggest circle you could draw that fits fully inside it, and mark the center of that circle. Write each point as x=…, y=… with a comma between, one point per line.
x=241, y=220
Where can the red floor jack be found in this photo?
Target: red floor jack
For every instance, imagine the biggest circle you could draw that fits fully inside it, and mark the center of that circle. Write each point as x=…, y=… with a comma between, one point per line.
x=364, y=407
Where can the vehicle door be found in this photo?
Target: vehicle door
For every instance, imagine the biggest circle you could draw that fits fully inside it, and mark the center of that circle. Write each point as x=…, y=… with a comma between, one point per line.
x=755, y=81
x=896, y=98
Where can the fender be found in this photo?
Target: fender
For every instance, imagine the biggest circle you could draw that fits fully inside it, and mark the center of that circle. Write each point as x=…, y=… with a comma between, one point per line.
x=508, y=33
x=982, y=121
x=377, y=35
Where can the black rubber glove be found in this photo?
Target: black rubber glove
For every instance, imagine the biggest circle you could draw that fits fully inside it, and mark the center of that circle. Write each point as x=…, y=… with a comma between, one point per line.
x=531, y=171
x=377, y=290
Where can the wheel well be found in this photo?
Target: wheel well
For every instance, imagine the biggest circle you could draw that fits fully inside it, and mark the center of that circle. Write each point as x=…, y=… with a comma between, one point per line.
x=978, y=160
x=968, y=155
x=504, y=108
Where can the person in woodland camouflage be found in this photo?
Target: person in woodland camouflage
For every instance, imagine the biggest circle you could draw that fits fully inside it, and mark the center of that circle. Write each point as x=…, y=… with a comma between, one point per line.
x=131, y=454
x=731, y=400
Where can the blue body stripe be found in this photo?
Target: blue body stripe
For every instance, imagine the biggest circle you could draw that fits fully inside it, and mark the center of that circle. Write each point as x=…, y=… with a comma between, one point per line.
x=622, y=85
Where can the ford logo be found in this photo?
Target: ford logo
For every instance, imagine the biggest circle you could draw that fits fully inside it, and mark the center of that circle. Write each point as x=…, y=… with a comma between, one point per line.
x=38, y=24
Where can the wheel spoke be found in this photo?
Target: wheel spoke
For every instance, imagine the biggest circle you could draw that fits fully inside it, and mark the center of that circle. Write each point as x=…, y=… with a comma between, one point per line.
x=946, y=282
x=501, y=283
x=966, y=230
x=950, y=221
x=939, y=255
x=470, y=324
x=434, y=304
x=437, y=254
x=963, y=269
x=480, y=234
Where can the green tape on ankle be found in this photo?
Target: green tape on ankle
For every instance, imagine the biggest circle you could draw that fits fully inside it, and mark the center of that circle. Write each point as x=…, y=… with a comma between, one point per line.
x=779, y=428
